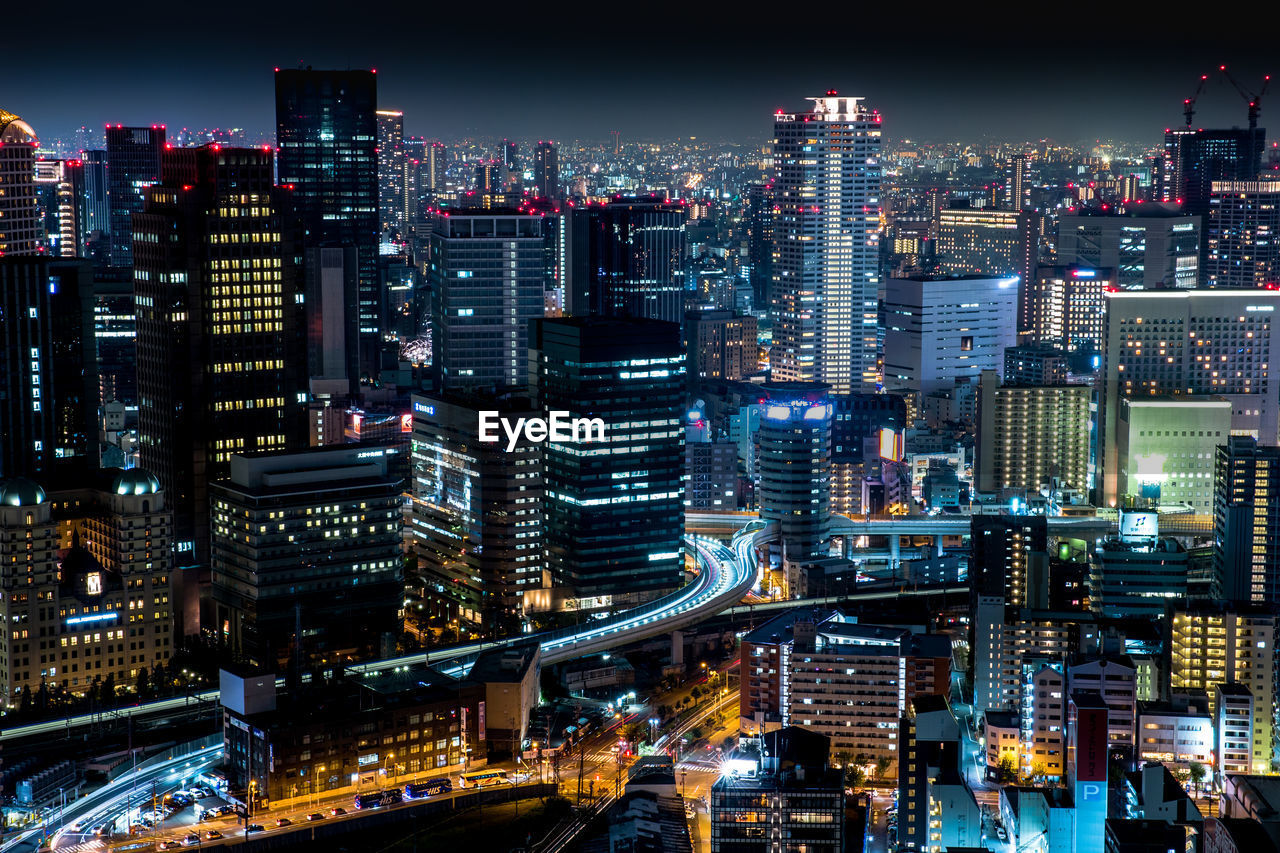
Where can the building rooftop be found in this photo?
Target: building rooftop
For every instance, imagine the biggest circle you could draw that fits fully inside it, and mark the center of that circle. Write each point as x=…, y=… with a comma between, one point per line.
x=505, y=665
x=1002, y=719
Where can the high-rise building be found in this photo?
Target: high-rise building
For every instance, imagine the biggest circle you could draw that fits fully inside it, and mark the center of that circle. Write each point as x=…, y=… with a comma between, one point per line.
x=1065, y=306
x=942, y=328
x=220, y=336
x=614, y=511
x=1115, y=679
x=133, y=165
x=115, y=325
x=1219, y=643
x=434, y=166
x=1187, y=342
x=546, y=170
x=626, y=258
x=1200, y=157
x=327, y=138
x=721, y=345
x=1017, y=182
x=20, y=231
x=306, y=542
x=477, y=512
x=1032, y=436
x=333, y=286
x=96, y=218
x=826, y=244
x=1148, y=245
x=1246, y=512
x=936, y=808
x=1242, y=234
x=1035, y=364
x=760, y=243
x=1166, y=448
x=391, y=171
x=1136, y=574
x=487, y=273
x=1002, y=546
x=993, y=243
x=866, y=431
x=80, y=569
x=795, y=465
x=48, y=368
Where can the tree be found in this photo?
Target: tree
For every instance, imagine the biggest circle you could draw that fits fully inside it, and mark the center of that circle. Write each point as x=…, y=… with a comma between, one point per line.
x=1007, y=769
x=882, y=767
x=855, y=776
x=1196, y=772
x=142, y=683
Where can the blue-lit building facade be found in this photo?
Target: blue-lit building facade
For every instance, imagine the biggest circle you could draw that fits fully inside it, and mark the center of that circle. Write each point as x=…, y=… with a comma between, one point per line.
x=133, y=164
x=614, y=509
x=795, y=464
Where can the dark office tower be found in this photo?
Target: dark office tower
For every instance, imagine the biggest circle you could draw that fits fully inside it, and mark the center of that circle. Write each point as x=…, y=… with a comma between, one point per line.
x=626, y=259
x=1246, y=514
x=614, y=510
x=391, y=170
x=1203, y=156
x=1000, y=546
x=795, y=464
x=511, y=160
x=1242, y=234
x=48, y=399
x=333, y=275
x=221, y=363
x=133, y=164
x=488, y=274
x=489, y=185
x=20, y=229
x=826, y=263
x=760, y=243
x=96, y=219
x=546, y=170
x=327, y=138
x=436, y=163
x=1017, y=182
x=115, y=325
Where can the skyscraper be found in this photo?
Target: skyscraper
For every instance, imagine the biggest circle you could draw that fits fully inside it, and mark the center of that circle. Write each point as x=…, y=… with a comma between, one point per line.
x=614, y=511
x=999, y=243
x=1242, y=234
x=1031, y=436
x=487, y=275
x=1149, y=245
x=391, y=170
x=546, y=170
x=327, y=137
x=795, y=465
x=626, y=259
x=1246, y=514
x=1200, y=157
x=760, y=243
x=221, y=353
x=20, y=231
x=826, y=244
x=133, y=164
x=1017, y=182
x=96, y=219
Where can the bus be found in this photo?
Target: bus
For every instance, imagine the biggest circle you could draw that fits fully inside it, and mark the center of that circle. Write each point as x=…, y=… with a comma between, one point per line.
x=429, y=788
x=389, y=797
x=481, y=778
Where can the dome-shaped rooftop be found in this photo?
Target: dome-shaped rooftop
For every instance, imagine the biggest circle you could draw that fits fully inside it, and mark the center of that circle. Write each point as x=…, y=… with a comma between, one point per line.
x=135, y=481
x=14, y=129
x=19, y=491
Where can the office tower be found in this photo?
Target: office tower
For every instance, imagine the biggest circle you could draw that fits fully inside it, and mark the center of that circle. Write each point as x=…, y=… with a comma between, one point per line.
x=1199, y=342
x=546, y=170
x=477, y=512
x=928, y=763
x=434, y=165
x=722, y=345
x=220, y=336
x=20, y=232
x=795, y=465
x=786, y=789
x=826, y=244
x=1201, y=157
x=392, y=212
x=1135, y=575
x=866, y=431
x=1088, y=719
x=59, y=188
x=614, y=513
x=760, y=243
x=74, y=564
x=308, y=541
x=1246, y=513
x=489, y=189
x=1017, y=182
x=942, y=328
x=1166, y=448
x=1032, y=436
x=711, y=472
x=511, y=163
x=1001, y=548
x=487, y=275
x=133, y=165
x=626, y=259
x=1115, y=679
x=332, y=316
x=1035, y=364
x=1147, y=245
x=1235, y=715
x=1065, y=306
x=1242, y=234
x=48, y=368
x=994, y=243
x=96, y=219
x=327, y=139
x=1218, y=643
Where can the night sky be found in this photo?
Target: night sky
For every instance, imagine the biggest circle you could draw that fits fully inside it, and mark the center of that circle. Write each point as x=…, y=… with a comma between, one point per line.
x=647, y=70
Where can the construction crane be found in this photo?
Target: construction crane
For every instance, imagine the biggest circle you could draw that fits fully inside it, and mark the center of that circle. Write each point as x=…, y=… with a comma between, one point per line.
x=1253, y=100
x=1189, y=105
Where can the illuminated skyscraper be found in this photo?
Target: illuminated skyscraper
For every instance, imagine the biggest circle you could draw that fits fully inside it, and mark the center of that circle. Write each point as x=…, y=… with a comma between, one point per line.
x=20, y=231
x=1242, y=234
x=546, y=170
x=221, y=352
x=826, y=244
x=1246, y=512
x=1000, y=243
x=1200, y=157
x=133, y=164
x=795, y=464
x=1149, y=245
x=1017, y=182
x=391, y=170
x=327, y=136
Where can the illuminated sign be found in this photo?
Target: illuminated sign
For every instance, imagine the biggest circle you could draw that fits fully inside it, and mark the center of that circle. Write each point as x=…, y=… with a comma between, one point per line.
x=92, y=617
x=890, y=444
x=424, y=409
x=1256, y=308
x=802, y=410
x=1084, y=273
x=406, y=423
x=93, y=583
x=366, y=760
x=1138, y=526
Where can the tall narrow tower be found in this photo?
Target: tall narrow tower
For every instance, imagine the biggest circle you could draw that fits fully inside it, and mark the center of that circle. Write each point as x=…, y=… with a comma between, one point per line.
x=826, y=244
x=391, y=165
